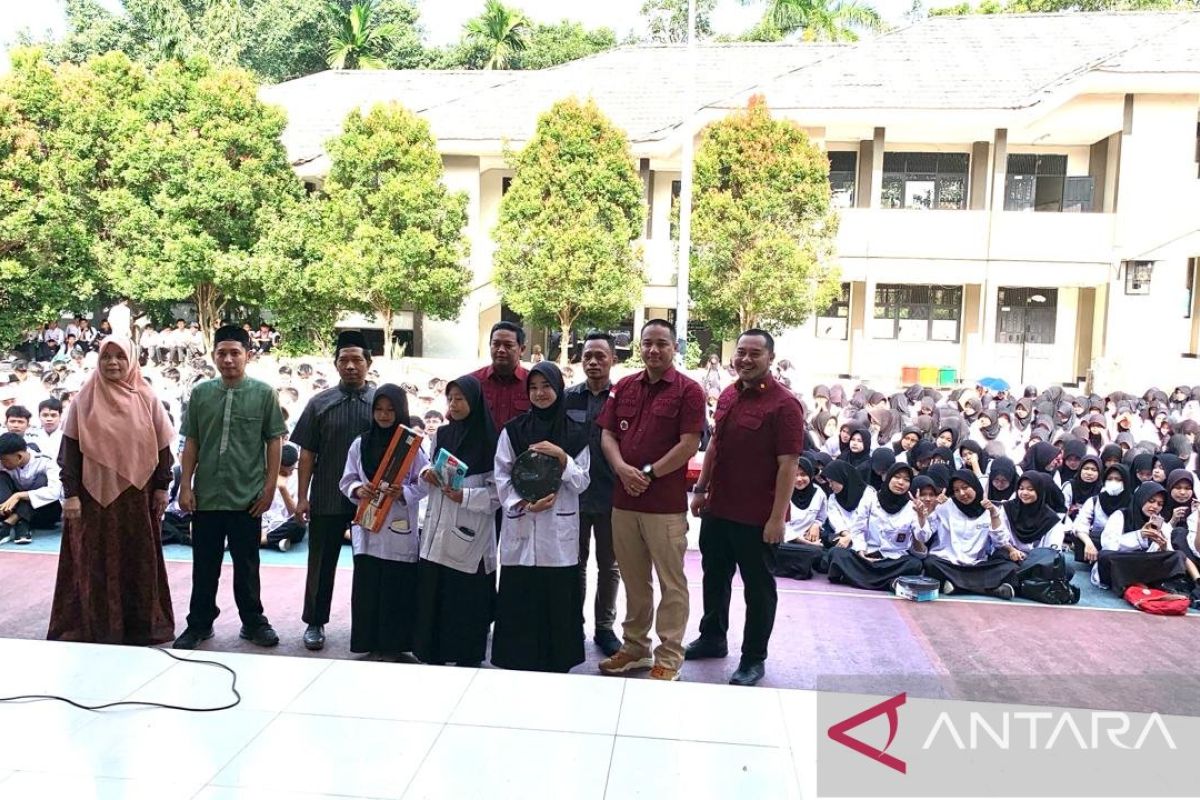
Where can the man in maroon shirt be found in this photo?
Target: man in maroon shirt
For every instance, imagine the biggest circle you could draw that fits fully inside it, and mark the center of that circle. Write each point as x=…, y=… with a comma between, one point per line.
x=504, y=381
x=743, y=494
x=651, y=428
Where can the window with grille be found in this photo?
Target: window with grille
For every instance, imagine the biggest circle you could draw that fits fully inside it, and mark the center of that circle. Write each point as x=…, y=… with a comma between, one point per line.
x=833, y=322
x=843, y=172
x=917, y=313
x=1040, y=183
x=1026, y=314
x=925, y=180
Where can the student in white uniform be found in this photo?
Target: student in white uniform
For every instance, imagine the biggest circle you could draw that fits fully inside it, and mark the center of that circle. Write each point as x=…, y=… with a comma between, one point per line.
x=456, y=573
x=1037, y=534
x=850, y=497
x=537, y=610
x=801, y=547
x=1136, y=547
x=30, y=490
x=383, y=600
x=883, y=538
x=1116, y=492
x=971, y=553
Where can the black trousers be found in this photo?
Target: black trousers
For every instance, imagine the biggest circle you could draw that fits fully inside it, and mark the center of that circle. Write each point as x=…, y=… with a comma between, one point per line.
x=725, y=545
x=210, y=530
x=608, y=575
x=327, y=532
x=46, y=516
x=291, y=530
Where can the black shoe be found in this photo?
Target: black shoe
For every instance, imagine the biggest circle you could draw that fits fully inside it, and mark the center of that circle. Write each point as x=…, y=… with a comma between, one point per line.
x=1004, y=591
x=748, y=673
x=703, y=648
x=263, y=636
x=314, y=637
x=6, y=533
x=608, y=642
x=191, y=638
x=22, y=534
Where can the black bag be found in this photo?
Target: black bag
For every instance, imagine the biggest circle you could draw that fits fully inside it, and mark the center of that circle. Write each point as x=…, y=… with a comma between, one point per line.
x=1050, y=583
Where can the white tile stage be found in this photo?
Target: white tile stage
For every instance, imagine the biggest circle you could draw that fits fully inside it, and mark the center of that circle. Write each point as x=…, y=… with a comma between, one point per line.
x=313, y=728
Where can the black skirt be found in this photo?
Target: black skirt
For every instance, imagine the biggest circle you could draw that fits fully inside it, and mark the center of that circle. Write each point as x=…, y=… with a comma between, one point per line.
x=1119, y=571
x=454, y=610
x=537, y=619
x=797, y=560
x=383, y=605
x=1179, y=540
x=847, y=566
x=977, y=578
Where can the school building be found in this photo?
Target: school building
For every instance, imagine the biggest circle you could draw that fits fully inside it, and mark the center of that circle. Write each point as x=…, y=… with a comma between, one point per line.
x=1019, y=194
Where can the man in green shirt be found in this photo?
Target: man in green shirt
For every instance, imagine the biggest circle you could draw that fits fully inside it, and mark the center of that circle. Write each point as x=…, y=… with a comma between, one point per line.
x=234, y=431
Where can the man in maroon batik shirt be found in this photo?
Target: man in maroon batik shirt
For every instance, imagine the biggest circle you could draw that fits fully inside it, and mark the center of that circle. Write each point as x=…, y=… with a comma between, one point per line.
x=651, y=428
x=743, y=495
x=503, y=381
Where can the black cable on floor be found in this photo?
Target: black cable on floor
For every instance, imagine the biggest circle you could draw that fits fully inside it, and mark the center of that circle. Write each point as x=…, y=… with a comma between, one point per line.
x=232, y=687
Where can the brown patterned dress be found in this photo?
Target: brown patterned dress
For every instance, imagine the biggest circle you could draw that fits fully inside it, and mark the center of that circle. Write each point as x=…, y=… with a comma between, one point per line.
x=112, y=582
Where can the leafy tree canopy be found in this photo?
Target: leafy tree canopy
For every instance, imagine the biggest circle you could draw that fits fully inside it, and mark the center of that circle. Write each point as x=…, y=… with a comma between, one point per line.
x=763, y=233
x=667, y=20
x=1038, y=6
x=565, y=252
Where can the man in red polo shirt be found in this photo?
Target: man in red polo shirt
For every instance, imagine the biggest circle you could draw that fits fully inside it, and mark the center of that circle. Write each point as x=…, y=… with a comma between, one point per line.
x=503, y=381
x=743, y=494
x=651, y=428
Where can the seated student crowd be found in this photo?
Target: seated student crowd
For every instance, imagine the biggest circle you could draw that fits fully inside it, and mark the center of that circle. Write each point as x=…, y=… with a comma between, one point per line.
x=1116, y=491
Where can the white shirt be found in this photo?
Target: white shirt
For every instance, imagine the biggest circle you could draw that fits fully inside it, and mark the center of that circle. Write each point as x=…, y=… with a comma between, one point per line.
x=840, y=519
x=53, y=336
x=801, y=519
x=24, y=478
x=462, y=536
x=277, y=513
x=962, y=540
x=1091, y=517
x=1053, y=538
x=548, y=538
x=399, y=538
x=1116, y=539
x=890, y=535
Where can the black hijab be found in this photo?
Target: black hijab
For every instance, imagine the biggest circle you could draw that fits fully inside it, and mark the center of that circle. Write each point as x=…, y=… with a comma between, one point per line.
x=1071, y=447
x=991, y=429
x=975, y=508
x=1111, y=451
x=802, y=497
x=1141, y=462
x=1177, y=476
x=1135, y=518
x=471, y=440
x=1002, y=465
x=951, y=427
x=852, y=483
x=1081, y=490
x=889, y=501
x=1110, y=503
x=1038, y=457
x=547, y=424
x=857, y=459
x=376, y=440
x=876, y=468
x=921, y=451
x=940, y=473
x=1169, y=462
x=974, y=447
x=1030, y=522
x=898, y=446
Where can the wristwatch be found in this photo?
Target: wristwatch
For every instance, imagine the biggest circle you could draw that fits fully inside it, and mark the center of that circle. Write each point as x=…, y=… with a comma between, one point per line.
x=648, y=471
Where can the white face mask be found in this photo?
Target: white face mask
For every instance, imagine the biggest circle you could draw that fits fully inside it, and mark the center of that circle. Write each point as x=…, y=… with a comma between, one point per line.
x=1113, y=488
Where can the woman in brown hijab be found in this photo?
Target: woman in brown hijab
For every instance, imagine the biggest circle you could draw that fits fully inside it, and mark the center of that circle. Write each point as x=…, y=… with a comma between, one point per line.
x=116, y=469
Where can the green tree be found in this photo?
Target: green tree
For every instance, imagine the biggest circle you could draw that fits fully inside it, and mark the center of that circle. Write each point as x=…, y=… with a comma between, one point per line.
x=822, y=20
x=667, y=20
x=1055, y=6
x=550, y=45
x=46, y=265
x=763, y=233
x=392, y=233
x=567, y=223
x=359, y=38
x=189, y=193
x=502, y=32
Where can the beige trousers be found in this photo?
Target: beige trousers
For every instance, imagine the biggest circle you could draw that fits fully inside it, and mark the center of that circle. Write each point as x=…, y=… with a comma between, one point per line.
x=643, y=541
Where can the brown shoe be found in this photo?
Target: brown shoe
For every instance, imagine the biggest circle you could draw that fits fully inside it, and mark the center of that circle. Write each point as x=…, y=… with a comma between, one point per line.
x=660, y=673
x=622, y=662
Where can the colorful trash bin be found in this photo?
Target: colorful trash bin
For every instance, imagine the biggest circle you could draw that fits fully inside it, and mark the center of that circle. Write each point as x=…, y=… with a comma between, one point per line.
x=909, y=376
x=947, y=376
x=928, y=376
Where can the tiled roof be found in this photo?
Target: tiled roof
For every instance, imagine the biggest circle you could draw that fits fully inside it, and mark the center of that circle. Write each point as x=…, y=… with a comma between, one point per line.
x=1003, y=61
x=317, y=104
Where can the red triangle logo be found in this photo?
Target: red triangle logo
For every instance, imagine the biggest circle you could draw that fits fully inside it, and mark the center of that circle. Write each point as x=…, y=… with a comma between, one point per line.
x=839, y=731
